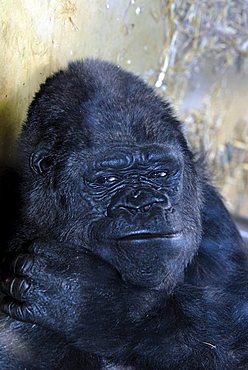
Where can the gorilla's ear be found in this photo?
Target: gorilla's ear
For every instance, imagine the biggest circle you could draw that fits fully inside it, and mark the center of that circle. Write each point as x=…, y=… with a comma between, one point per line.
x=40, y=161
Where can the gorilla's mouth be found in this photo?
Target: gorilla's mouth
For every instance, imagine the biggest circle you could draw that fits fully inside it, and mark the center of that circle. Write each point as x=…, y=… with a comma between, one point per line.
x=146, y=236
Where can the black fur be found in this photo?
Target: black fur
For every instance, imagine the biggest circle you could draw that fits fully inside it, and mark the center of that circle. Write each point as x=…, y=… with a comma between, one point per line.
x=128, y=258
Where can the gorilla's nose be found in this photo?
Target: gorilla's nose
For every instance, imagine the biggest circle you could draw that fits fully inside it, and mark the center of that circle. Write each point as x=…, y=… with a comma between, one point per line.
x=138, y=200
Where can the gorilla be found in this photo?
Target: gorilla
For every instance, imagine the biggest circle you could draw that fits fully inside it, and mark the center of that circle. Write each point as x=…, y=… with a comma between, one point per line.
x=123, y=255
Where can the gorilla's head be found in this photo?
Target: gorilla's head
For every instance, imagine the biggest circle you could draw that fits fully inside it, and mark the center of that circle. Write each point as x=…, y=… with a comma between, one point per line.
x=106, y=166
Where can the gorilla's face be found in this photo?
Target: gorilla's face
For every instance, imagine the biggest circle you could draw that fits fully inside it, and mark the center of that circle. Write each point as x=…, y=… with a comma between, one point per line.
x=111, y=171
x=143, y=221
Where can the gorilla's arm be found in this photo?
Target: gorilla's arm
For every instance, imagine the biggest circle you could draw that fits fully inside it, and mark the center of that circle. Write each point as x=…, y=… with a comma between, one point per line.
x=84, y=299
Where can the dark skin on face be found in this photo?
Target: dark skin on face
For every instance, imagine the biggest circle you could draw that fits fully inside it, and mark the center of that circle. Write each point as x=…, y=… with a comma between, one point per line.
x=124, y=250
x=136, y=196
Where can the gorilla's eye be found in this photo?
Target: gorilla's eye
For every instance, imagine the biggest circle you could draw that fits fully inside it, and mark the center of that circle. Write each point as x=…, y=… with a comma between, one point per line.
x=111, y=179
x=158, y=174
x=101, y=180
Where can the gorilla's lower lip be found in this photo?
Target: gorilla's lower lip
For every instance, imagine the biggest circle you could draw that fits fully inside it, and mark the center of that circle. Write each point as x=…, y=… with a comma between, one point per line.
x=145, y=236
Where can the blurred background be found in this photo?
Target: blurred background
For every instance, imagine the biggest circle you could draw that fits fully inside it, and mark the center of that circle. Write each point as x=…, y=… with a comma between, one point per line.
x=195, y=53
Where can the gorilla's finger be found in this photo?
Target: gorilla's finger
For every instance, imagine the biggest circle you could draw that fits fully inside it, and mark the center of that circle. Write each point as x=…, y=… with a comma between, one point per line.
x=22, y=264
x=18, y=311
x=16, y=288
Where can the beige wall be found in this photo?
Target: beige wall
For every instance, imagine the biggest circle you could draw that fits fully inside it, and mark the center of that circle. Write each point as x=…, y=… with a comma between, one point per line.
x=39, y=37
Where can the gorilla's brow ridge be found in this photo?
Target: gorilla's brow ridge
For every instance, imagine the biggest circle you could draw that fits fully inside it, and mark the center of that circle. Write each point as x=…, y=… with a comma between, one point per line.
x=140, y=157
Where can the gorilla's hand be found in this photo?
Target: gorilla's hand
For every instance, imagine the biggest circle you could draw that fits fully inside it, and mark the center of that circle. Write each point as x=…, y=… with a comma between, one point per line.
x=69, y=291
